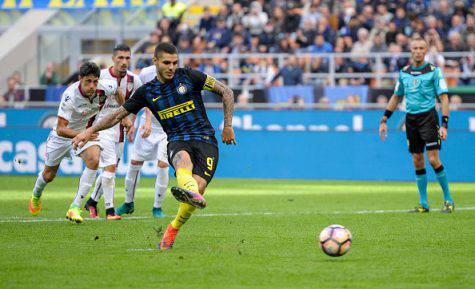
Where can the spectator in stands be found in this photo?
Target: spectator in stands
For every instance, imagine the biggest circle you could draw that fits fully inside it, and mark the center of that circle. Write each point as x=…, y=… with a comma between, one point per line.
x=458, y=25
x=396, y=62
x=17, y=76
x=403, y=41
x=218, y=37
x=433, y=56
x=443, y=13
x=305, y=34
x=469, y=27
x=382, y=100
x=378, y=44
x=75, y=75
x=49, y=76
x=391, y=33
x=400, y=18
x=206, y=21
x=256, y=19
x=455, y=102
x=291, y=73
x=184, y=45
x=310, y=13
x=13, y=94
x=382, y=14
x=174, y=10
x=361, y=65
x=149, y=46
x=292, y=16
x=363, y=45
x=320, y=45
x=236, y=16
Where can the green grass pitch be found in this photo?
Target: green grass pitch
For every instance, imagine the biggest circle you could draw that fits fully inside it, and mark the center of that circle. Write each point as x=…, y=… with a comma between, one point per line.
x=253, y=234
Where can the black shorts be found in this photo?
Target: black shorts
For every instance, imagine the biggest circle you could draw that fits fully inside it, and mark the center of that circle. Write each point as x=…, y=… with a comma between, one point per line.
x=204, y=156
x=422, y=131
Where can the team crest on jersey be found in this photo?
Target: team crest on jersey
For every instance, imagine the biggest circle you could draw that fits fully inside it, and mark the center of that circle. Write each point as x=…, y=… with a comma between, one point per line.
x=181, y=88
x=415, y=82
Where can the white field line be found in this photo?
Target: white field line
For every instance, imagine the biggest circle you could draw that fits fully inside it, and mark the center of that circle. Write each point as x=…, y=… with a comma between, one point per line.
x=365, y=212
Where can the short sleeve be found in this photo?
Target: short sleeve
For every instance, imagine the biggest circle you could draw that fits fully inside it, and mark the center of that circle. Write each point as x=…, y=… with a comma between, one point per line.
x=137, y=84
x=137, y=101
x=109, y=87
x=66, y=107
x=201, y=81
x=439, y=82
x=399, y=88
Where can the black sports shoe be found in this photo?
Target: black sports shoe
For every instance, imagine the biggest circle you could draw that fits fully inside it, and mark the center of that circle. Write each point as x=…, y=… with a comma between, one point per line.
x=448, y=208
x=419, y=209
x=91, y=206
x=189, y=197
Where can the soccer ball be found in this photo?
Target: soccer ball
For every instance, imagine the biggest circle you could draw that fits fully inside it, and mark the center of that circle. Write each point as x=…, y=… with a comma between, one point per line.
x=335, y=240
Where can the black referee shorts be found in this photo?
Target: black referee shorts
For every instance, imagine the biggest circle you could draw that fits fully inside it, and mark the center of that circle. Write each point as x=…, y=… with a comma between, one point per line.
x=204, y=156
x=422, y=131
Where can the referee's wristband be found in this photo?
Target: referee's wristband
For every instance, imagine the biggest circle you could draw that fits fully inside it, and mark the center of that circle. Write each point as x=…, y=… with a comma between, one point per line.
x=388, y=113
x=445, y=121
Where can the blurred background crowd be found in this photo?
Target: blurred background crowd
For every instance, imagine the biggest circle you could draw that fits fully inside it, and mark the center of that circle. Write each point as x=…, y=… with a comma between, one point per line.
x=257, y=45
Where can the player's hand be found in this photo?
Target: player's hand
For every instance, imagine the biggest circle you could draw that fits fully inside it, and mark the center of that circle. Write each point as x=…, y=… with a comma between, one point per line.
x=146, y=130
x=443, y=133
x=227, y=135
x=131, y=134
x=82, y=138
x=383, y=130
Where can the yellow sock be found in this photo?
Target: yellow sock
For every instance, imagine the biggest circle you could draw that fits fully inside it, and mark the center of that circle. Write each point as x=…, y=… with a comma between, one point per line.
x=184, y=213
x=185, y=180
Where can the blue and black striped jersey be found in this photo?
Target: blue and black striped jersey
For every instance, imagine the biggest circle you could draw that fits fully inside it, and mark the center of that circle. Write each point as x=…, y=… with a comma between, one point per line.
x=177, y=105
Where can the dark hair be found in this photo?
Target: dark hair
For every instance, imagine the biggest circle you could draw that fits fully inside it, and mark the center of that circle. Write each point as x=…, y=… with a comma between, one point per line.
x=89, y=68
x=120, y=47
x=165, y=47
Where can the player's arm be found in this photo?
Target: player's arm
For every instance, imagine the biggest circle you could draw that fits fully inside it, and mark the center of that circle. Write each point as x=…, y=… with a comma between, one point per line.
x=63, y=130
x=442, y=90
x=391, y=107
x=227, y=96
x=132, y=105
x=108, y=121
x=120, y=98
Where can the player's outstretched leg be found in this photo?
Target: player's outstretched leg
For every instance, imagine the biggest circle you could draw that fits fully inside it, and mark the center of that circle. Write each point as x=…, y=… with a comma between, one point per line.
x=161, y=185
x=187, y=185
x=44, y=177
x=131, y=180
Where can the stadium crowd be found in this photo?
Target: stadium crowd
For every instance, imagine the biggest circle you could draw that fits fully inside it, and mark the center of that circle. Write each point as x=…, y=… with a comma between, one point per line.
x=298, y=27
x=323, y=26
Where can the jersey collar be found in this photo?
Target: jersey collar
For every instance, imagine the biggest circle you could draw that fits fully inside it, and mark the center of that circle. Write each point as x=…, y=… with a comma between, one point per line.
x=420, y=67
x=80, y=91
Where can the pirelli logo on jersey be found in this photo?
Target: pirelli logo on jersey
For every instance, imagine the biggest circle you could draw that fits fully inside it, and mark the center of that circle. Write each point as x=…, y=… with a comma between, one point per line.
x=209, y=82
x=176, y=110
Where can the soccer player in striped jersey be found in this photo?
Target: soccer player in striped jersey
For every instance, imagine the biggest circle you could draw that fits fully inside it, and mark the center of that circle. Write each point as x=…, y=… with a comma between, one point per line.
x=150, y=144
x=174, y=97
x=421, y=83
x=112, y=139
x=80, y=103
